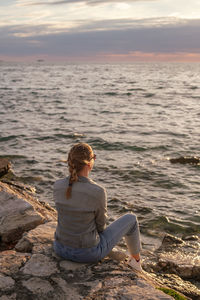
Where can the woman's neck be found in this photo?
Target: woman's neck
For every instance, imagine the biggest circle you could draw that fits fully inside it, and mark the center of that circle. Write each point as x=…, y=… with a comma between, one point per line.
x=84, y=172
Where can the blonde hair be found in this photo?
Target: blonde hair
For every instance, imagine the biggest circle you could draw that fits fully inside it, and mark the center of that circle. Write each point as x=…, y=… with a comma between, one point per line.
x=79, y=156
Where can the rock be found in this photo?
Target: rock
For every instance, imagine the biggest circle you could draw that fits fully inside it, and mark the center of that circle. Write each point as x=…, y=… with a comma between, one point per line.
x=94, y=285
x=20, y=212
x=196, y=272
x=10, y=297
x=5, y=166
x=170, y=240
x=185, y=271
x=138, y=290
x=14, y=224
x=18, y=186
x=176, y=262
x=113, y=282
x=194, y=160
x=11, y=261
x=68, y=290
x=24, y=245
x=16, y=215
x=43, y=276
x=150, y=294
x=71, y=266
x=185, y=287
x=38, y=286
x=180, y=257
x=190, y=238
x=6, y=283
x=38, y=239
x=40, y=265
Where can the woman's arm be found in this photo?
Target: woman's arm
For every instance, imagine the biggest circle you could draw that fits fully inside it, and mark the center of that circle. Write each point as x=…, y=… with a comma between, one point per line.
x=101, y=211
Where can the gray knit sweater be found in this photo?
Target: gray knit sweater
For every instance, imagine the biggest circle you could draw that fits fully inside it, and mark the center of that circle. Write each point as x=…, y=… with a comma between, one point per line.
x=81, y=217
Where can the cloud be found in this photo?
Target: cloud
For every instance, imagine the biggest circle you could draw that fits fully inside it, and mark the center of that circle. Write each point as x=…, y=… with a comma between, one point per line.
x=115, y=25
x=125, y=24
x=87, y=2
x=103, y=38
x=151, y=56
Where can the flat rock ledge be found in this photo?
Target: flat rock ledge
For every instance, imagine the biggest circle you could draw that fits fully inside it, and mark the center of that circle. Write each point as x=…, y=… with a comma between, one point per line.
x=45, y=276
x=30, y=269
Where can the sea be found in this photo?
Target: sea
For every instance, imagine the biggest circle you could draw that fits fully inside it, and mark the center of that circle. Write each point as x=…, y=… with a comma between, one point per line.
x=136, y=117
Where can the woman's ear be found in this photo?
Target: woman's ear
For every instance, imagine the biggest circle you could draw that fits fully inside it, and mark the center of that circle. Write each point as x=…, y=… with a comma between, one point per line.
x=90, y=165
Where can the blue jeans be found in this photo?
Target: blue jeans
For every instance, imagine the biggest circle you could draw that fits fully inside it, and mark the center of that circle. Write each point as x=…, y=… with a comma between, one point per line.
x=126, y=226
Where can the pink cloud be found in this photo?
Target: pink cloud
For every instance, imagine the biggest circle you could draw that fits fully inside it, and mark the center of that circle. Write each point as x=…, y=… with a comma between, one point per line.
x=135, y=56
x=152, y=56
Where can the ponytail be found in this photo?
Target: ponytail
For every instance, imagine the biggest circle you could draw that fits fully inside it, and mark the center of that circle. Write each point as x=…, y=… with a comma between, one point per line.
x=78, y=157
x=73, y=178
x=69, y=190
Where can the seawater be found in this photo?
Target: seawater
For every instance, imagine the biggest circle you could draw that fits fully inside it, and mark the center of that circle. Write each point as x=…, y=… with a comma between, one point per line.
x=135, y=116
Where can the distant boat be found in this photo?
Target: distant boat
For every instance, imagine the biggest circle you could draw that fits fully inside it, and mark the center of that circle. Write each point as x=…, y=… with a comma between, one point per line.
x=40, y=60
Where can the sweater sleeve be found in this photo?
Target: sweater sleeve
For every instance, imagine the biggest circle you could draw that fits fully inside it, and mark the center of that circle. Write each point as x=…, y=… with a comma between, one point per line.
x=101, y=211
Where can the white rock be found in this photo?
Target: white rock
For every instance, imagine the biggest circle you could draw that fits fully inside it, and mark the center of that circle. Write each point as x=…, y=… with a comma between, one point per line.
x=37, y=238
x=16, y=214
x=38, y=286
x=141, y=290
x=71, y=266
x=70, y=292
x=113, y=282
x=40, y=265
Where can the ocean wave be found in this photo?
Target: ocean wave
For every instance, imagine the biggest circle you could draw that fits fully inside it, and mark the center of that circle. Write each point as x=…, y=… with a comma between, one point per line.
x=101, y=144
x=57, y=137
x=136, y=89
x=149, y=95
x=110, y=94
x=110, y=112
x=69, y=136
x=141, y=175
x=120, y=206
x=195, y=97
x=12, y=156
x=194, y=87
x=10, y=137
x=168, y=225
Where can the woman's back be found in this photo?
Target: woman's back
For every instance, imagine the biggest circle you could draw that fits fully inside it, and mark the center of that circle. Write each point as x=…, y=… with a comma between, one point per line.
x=83, y=215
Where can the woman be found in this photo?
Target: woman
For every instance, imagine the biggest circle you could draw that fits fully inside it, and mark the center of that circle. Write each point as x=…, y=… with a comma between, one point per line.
x=81, y=234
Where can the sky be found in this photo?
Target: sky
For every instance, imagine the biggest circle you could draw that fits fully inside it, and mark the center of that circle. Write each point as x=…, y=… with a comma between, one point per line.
x=100, y=31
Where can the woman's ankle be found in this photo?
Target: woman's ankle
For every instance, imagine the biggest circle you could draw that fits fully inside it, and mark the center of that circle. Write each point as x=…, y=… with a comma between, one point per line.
x=136, y=256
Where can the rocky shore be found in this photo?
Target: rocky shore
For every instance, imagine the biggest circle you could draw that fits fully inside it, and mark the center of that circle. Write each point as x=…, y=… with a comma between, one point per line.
x=29, y=268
